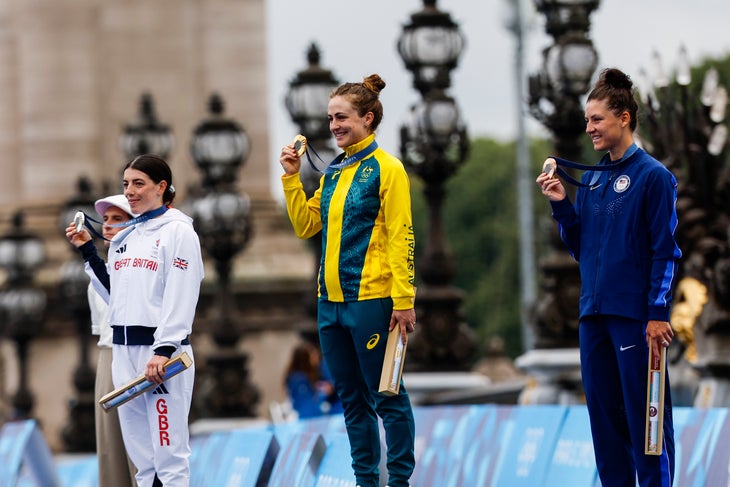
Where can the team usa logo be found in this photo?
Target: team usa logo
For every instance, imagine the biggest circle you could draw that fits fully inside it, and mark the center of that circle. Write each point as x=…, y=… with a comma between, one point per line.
x=180, y=263
x=622, y=183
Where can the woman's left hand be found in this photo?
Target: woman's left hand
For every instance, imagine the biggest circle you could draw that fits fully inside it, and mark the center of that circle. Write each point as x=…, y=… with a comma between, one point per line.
x=406, y=319
x=156, y=369
x=660, y=331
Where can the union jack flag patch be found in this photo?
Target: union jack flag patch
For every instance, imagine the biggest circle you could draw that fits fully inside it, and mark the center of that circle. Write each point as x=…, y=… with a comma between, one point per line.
x=180, y=263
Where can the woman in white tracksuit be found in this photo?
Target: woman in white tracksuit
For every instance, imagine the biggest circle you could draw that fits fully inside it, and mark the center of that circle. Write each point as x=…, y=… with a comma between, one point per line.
x=155, y=270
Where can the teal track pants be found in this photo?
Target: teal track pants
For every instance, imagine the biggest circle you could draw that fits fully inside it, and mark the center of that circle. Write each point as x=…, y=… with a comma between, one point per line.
x=353, y=337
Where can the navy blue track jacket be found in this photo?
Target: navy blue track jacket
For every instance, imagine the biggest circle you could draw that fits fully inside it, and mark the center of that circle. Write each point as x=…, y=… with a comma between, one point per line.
x=621, y=231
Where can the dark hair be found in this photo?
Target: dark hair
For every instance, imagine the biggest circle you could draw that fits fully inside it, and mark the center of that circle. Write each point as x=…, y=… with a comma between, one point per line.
x=617, y=88
x=364, y=97
x=301, y=361
x=158, y=170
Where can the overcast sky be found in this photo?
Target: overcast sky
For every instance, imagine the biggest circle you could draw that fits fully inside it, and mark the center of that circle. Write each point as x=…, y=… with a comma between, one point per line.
x=358, y=38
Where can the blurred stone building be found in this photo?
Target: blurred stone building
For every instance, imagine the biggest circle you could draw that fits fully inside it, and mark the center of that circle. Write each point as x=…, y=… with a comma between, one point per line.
x=71, y=76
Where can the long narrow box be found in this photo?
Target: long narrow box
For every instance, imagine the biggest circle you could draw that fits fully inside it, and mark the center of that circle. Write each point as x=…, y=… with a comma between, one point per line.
x=141, y=385
x=654, y=434
x=395, y=358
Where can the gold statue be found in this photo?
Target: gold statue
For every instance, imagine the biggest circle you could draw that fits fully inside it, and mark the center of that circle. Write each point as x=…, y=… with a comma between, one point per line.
x=691, y=297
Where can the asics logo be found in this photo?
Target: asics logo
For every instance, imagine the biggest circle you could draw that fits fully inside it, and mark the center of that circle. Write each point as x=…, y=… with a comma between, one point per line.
x=622, y=348
x=374, y=339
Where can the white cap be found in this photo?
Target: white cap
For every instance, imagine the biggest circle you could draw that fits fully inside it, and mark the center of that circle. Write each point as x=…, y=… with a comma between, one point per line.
x=118, y=200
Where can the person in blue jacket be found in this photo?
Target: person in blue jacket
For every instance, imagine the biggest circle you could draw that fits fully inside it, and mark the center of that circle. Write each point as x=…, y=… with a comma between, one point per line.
x=621, y=232
x=308, y=384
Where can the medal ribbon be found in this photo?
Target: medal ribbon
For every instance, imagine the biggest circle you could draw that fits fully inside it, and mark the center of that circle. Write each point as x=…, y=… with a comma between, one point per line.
x=585, y=167
x=341, y=161
x=148, y=215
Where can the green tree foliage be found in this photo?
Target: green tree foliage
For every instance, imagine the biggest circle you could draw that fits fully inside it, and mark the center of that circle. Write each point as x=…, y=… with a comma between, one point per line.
x=480, y=221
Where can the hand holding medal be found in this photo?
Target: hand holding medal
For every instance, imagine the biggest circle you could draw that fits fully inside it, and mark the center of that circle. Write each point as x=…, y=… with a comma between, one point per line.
x=76, y=230
x=549, y=183
x=291, y=155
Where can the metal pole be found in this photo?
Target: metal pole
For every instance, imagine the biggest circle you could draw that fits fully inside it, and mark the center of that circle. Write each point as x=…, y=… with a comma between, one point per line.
x=528, y=279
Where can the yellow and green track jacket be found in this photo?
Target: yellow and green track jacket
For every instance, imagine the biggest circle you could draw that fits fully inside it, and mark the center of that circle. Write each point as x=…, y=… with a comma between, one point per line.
x=364, y=213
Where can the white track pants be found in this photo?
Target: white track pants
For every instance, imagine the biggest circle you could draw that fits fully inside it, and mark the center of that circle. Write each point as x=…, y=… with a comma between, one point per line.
x=155, y=424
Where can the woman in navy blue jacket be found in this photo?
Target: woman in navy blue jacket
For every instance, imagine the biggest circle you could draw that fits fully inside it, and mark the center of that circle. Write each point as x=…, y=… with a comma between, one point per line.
x=621, y=231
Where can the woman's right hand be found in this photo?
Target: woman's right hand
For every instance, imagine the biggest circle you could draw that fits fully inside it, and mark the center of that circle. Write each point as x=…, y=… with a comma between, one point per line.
x=77, y=238
x=551, y=187
x=289, y=160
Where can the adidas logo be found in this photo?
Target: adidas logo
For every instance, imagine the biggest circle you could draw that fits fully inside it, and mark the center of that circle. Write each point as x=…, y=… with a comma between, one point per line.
x=161, y=389
x=121, y=249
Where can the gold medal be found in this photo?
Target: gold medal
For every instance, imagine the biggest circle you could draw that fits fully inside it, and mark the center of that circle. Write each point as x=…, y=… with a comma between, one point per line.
x=549, y=167
x=300, y=145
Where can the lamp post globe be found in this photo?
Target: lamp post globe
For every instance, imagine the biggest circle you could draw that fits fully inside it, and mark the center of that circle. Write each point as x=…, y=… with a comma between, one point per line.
x=147, y=135
x=563, y=16
x=434, y=141
x=223, y=221
x=21, y=252
x=430, y=46
x=570, y=64
x=219, y=146
x=308, y=96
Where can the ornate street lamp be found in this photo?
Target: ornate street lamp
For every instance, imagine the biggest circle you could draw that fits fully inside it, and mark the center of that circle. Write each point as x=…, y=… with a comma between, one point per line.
x=687, y=130
x=430, y=47
x=306, y=101
x=434, y=144
x=222, y=219
x=21, y=303
x=147, y=135
x=78, y=434
x=555, y=101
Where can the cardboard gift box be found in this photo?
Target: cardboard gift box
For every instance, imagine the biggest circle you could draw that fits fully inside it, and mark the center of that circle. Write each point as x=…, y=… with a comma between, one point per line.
x=395, y=357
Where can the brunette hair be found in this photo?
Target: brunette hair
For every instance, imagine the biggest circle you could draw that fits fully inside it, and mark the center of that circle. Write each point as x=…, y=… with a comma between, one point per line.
x=158, y=170
x=301, y=361
x=364, y=97
x=617, y=89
